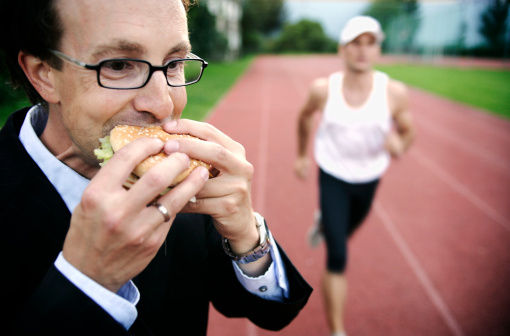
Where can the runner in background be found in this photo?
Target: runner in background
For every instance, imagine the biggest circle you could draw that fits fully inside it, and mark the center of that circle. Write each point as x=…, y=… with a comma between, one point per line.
x=365, y=121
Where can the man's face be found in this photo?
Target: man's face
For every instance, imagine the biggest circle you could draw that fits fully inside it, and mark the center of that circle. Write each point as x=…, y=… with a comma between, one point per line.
x=95, y=30
x=361, y=53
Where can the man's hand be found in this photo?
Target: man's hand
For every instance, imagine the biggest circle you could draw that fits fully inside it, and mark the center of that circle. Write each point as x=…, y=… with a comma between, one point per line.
x=227, y=197
x=114, y=234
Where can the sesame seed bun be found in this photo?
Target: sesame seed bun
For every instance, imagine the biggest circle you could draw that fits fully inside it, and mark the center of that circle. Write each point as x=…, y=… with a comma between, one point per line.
x=123, y=134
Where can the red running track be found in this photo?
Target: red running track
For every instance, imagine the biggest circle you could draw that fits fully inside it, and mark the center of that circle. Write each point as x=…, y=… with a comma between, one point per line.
x=433, y=257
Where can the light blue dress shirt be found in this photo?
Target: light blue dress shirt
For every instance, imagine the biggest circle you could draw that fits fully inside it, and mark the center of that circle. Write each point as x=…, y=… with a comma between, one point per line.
x=272, y=285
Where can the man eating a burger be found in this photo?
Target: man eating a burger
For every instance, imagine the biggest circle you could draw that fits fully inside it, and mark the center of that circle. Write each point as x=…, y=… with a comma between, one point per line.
x=84, y=255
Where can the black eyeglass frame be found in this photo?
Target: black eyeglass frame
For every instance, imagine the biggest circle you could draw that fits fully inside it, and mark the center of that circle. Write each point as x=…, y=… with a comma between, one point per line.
x=152, y=68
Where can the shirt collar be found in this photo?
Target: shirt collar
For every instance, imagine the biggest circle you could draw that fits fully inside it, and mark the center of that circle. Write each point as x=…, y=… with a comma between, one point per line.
x=69, y=184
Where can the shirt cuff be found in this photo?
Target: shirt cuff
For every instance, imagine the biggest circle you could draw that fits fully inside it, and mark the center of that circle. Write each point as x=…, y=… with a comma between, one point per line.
x=272, y=285
x=121, y=305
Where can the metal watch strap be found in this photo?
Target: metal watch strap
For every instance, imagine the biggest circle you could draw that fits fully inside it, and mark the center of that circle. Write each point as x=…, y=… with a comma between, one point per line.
x=259, y=251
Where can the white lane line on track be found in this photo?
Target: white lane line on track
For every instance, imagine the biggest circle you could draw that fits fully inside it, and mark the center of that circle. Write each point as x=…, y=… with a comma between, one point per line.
x=484, y=120
x=470, y=146
x=263, y=140
x=418, y=270
x=461, y=188
x=261, y=169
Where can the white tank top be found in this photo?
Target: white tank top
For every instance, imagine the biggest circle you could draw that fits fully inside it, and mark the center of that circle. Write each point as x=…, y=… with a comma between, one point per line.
x=349, y=143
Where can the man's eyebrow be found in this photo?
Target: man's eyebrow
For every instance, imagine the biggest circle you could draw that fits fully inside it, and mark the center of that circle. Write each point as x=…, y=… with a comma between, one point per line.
x=118, y=46
x=183, y=46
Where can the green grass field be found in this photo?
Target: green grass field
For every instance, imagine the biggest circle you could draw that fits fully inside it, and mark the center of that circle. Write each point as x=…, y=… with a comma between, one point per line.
x=216, y=81
x=482, y=88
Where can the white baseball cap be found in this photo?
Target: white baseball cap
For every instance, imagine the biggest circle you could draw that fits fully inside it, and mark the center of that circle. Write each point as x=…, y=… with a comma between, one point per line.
x=359, y=25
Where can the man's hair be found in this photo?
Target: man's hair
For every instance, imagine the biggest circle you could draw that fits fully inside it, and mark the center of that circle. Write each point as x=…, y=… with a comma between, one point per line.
x=34, y=27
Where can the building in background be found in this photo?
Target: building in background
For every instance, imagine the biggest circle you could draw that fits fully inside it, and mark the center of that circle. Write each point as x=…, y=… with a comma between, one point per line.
x=228, y=18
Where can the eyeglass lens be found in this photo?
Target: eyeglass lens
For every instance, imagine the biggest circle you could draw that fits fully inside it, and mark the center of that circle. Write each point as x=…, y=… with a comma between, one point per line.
x=124, y=74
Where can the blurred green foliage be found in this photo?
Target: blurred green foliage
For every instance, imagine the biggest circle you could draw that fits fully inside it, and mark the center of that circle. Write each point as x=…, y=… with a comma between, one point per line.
x=263, y=30
x=260, y=19
x=399, y=20
x=10, y=99
x=494, y=27
x=304, y=36
x=483, y=88
x=207, y=42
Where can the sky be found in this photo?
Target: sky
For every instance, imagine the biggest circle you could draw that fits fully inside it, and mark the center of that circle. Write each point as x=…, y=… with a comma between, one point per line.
x=441, y=20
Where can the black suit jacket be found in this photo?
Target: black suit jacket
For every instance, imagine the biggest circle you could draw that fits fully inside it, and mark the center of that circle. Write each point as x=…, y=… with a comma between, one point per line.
x=175, y=288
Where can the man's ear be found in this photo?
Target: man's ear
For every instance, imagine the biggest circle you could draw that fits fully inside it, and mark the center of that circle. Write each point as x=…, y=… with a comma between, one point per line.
x=40, y=75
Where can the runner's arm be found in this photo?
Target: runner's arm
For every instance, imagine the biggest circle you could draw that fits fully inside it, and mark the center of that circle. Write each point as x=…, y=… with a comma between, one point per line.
x=314, y=103
x=399, y=141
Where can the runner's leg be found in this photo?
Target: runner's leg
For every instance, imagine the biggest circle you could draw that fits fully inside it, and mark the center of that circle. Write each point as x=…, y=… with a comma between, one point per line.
x=362, y=196
x=335, y=206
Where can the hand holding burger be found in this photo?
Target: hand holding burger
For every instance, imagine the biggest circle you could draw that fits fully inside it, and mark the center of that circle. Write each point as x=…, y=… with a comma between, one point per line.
x=114, y=232
x=227, y=197
x=112, y=214
x=121, y=135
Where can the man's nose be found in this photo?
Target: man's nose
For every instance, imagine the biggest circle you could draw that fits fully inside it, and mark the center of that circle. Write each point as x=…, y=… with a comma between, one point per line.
x=155, y=97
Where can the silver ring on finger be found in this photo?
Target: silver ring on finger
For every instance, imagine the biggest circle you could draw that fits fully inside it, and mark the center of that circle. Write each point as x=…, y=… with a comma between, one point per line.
x=163, y=210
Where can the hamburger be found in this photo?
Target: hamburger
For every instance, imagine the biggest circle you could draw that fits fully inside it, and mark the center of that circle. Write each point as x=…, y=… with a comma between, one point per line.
x=123, y=134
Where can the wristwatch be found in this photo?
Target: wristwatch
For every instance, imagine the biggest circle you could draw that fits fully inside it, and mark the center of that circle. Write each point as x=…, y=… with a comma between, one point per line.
x=259, y=251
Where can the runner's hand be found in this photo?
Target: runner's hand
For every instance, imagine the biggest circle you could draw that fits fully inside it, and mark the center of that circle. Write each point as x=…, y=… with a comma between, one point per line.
x=301, y=167
x=394, y=145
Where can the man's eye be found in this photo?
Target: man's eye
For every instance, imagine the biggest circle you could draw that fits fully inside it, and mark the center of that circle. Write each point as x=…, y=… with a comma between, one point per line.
x=173, y=65
x=117, y=65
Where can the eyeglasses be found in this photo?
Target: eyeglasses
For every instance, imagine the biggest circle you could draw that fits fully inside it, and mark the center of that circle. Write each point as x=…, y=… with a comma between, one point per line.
x=129, y=73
